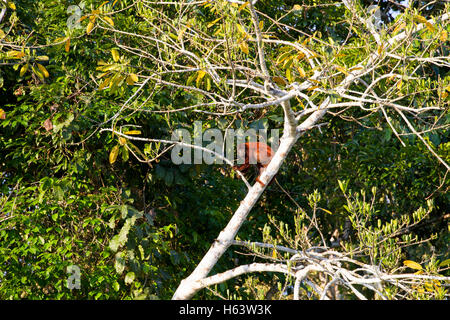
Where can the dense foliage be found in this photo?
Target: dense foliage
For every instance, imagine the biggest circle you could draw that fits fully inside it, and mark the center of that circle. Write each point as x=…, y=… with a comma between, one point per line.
x=71, y=194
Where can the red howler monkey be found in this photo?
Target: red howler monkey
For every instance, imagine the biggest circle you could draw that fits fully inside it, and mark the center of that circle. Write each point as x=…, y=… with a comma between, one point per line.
x=257, y=153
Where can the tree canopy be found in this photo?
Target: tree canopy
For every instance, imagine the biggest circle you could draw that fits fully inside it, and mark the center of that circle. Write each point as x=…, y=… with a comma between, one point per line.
x=91, y=93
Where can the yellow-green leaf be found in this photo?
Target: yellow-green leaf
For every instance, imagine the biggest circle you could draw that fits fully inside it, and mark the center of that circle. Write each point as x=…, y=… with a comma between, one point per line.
x=213, y=22
x=115, y=55
x=132, y=132
x=132, y=78
x=109, y=20
x=301, y=72
x=37, y=72
x=11, y=5
x=104, y=84
x=2, y=34
x=283, y=57
x=444, y=36
x=341, y=69
x=42, y=58
x=241, y=29
x=200, y=76
x=289, y=75
x=122, y=141
x=89, y=27
x=244, y=47
x=444, y=263
x=279, y=80
x=113, y=154
x=191, y=78
x=43, y=70
x=413, y=265
x=243, y=6
x=15, y=54
x=23, y=69
x=423, y=20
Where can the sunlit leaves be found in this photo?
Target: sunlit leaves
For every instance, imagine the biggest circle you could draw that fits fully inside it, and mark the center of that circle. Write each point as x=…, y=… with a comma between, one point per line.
x=443, y=36
x=129, y=277
x=23, y=69
x=132, y=132
x=214, y=22
x=43, y=70
x=113, y=154
x=244, y=47
x=90, y=25
x=200, y=76
x=423, y=20
x=109, y=20
x=132, y=79
x=97, y=13
x=11, y=5
x=115, y=55
x=412, y=265
x=115, y=74
x=13, y=54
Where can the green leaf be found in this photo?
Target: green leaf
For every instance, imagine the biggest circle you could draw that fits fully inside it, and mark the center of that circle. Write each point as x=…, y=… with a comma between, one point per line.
x=444, y=263
x=114, y=243
x=119, y=262
x=129, y=278
x=191, y=78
